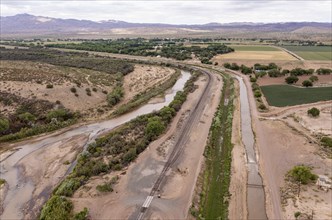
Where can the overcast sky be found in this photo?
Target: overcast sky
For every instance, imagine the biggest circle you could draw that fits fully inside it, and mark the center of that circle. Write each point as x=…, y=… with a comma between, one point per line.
x=176, y=12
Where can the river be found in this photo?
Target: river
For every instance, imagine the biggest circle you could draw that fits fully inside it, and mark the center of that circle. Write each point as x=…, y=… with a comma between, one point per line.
x=21, y=188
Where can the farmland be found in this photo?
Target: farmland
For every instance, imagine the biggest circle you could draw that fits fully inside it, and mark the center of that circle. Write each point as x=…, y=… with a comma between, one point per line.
x=255, y=52
x=285, y=95
x=253, y=48
x=312, y=52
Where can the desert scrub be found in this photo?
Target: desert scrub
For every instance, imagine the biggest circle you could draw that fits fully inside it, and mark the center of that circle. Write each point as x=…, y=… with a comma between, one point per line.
x=115, y=96
x=108, y=186
x=2, y=182
x=326, y=141
x=49, y=86
x=301, y=174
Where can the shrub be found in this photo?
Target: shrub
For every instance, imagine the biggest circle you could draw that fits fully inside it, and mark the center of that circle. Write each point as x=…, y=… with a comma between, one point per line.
x=302, y=174
x=253, y=79
x=57, y=102
x=291, y=79
x=82, y=215
x=2, y=181
x=27, y=117
x=106, y=187
x=262, y=107
x=88, y=90
x=68, y=187
x=56, y=206
x=326, y=141
x=314, y=112
x=313, y=78
x=49, y=86
x=257, y=94
x=307, y=83
x=297, y=214
x=94, y=89
x=4, y=124
x=130, y=155
x=154, y=128
x=115, y=96
x=255, y=86
x=73, y=90
x=59, y=114
x=323, y=71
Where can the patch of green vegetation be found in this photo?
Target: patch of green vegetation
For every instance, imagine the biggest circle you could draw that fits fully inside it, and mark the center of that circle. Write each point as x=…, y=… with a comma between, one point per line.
x=144, y=47
x=314, y=112
x=326, y=141
x=312, y=52
x=69, y=59
x=38, y=129
x=301, y=174
x=115, y=96
x=108, y=186
x=215, y=189
x=2, y=181
x=60, y=208
x=253, y=48
x=285, y=95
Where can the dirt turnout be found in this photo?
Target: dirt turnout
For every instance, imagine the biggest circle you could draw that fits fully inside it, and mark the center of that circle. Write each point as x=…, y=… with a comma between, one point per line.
x=134, y=186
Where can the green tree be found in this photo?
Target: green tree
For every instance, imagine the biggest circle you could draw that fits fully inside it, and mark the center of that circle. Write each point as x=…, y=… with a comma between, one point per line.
x=307, y=83
x=154, y=128
x=27, y=117
x=4, y=124
x=314, y=112
x=313, y=78
x=291, y=79
x=56, y=206
x=302, y=174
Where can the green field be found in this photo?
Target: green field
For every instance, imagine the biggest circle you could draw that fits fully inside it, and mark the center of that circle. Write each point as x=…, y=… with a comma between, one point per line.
x=312, y=52
x=286, y=95
x=253, y=48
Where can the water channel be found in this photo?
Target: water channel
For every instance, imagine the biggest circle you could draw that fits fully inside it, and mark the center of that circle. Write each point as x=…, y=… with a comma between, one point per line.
x=255, y=190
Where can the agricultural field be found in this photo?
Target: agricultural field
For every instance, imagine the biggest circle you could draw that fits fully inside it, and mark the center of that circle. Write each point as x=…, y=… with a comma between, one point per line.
x=254, y=52
x=285, y=95
x=253, y=48
x=312, y=52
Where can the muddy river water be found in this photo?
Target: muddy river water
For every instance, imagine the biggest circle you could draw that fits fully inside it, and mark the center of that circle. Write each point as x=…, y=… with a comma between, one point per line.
x=255, y=190
x=20, y=188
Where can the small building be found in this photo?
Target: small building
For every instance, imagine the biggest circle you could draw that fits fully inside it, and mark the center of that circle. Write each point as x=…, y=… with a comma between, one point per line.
x=324, y=182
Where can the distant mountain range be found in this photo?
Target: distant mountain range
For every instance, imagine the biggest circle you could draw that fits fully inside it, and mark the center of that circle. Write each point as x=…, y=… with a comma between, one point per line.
x=26, y=24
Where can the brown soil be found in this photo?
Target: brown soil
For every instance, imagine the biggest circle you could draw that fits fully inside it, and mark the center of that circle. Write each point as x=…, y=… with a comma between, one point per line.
x=47, y=171
x=143, y=78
